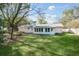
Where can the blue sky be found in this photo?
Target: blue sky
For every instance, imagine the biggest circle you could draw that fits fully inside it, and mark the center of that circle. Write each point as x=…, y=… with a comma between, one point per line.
x=53, y=10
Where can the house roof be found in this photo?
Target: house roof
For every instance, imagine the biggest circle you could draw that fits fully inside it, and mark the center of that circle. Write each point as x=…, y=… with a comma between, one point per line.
x=44, y=25
x=50, y=25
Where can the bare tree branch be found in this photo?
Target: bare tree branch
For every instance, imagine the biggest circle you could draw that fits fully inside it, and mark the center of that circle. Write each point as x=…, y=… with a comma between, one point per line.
x=21, y=18
x=19, y=6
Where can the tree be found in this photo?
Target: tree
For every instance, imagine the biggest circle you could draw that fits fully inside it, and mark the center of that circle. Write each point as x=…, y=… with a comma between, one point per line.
x=10, y=12
x=67, y=16
x=73, y=24
x=24, y=21
x=41, y=16
x=41, y=20
x=1, y=33
x=1, y=28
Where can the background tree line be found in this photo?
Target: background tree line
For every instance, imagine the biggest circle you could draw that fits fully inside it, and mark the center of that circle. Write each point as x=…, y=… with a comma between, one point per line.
x=70, y=17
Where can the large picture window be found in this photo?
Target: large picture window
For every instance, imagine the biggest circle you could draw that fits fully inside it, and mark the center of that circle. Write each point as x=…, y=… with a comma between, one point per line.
x=47, y=29
x=38, y=29
x=41, y=29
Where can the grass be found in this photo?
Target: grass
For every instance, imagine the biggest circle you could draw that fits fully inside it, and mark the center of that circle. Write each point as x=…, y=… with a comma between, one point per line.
x=44, y=45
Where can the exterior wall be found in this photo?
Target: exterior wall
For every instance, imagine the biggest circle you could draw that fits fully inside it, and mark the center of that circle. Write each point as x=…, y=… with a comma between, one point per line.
x=55, y=30
x=58, y=30
x=65, y=30
x=44, y=33
x=25, y=29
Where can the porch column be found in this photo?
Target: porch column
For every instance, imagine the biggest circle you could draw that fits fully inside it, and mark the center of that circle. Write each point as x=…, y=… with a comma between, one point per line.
x=50, y=30
x=43, y=29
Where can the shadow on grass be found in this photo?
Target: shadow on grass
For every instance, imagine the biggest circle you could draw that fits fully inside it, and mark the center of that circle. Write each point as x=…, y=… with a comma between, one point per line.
x=59, y=45
x=32, y=46
x=8, y=51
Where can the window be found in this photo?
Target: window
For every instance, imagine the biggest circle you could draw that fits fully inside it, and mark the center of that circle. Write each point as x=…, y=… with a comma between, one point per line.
x=51, y=29
x=48, y=29
x=35, y=29
x=38, y=29
x=45, y=29
x=41, y=29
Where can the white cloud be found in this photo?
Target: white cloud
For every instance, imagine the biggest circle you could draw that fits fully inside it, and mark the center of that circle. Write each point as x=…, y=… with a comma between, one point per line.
x=51, y=7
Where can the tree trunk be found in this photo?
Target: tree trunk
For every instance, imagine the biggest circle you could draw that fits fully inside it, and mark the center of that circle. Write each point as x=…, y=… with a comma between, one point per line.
x=15, y=28
x=11, y=33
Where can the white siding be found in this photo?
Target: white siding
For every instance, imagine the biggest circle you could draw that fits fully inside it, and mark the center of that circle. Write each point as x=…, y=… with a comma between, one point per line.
x=58, y=30
x=25, y=29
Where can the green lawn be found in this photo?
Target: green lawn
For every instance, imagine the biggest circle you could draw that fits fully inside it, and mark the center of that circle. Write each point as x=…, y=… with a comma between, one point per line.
x=43, y=45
